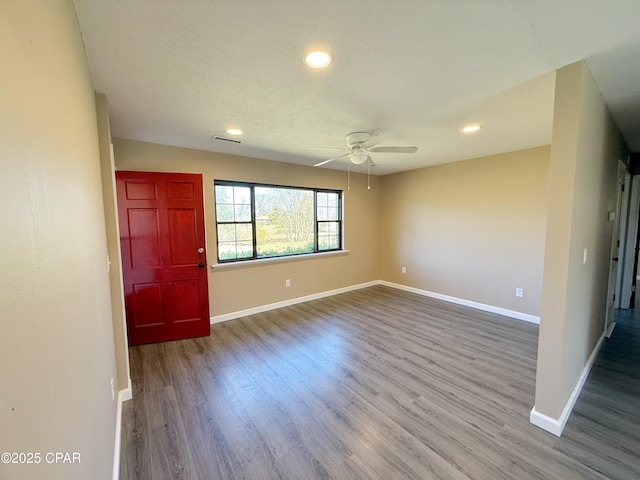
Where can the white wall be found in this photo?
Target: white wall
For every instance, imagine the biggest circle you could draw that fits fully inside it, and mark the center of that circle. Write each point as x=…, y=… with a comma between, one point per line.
x=585, y=149
x=107, y=168
x=471, y=230
x=56, y=346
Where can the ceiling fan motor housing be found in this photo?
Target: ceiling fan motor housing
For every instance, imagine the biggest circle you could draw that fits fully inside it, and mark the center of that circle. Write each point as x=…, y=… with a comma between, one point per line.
x=357, y=138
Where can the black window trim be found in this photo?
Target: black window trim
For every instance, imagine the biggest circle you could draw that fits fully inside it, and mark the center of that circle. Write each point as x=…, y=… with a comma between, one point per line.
x=255, y=256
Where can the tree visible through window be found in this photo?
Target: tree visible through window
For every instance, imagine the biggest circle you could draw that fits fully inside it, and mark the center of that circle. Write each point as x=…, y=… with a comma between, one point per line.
x=260, y=221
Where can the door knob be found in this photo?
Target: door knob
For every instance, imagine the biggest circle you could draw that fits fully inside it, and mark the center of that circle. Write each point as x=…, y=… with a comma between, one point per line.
x=201, y=265
x=615, y=259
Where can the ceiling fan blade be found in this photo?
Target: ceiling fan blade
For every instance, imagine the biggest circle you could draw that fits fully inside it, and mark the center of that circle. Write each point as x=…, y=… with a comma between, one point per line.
x=394, y=149
x=331, y=160
x=328, y=148
x=375, y=140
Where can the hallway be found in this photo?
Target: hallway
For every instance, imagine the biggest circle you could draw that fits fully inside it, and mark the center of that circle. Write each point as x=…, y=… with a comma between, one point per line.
x=609, y=406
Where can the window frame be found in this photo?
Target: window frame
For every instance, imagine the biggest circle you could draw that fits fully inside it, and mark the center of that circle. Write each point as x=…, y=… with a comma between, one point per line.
x=252, y=186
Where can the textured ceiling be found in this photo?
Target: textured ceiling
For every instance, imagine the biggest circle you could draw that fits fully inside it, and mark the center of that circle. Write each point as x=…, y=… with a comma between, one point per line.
x=178, y=72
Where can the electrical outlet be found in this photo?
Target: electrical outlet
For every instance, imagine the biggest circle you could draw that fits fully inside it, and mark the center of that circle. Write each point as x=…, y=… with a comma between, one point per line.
x=404, y=269
x=519, y=292
x=287, y=282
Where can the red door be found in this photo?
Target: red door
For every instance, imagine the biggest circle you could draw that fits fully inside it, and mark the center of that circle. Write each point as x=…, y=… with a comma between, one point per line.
x=161, y=219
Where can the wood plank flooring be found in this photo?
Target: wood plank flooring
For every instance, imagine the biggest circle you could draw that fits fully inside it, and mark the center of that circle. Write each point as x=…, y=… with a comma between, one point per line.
x=373, y=384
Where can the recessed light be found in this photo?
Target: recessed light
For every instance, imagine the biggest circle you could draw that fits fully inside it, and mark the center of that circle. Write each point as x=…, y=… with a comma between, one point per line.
x=234, y=131
x=471, y=128
x=317, y=59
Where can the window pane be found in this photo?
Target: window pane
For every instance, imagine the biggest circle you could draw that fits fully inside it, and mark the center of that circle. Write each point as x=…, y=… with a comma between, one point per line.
x=242, y=195
x=242, y=213
x=235, y=241
x=226, y=233
x=286, y=221
x=328, y=235
x=244, y=232
x=328, y=242
x=224, y=212
x=244, y=250
x=224, y=194
x=327, y=206
x=226, y=251
x=328, y=228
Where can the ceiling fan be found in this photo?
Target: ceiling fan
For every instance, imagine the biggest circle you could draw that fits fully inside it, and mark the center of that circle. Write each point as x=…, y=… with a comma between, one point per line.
x=359, y=153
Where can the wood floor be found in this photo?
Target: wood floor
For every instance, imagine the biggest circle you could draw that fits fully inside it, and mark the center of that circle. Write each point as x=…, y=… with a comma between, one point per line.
x=373, y=384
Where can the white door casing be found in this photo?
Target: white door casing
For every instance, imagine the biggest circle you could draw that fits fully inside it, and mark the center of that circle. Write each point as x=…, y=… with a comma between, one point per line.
x=614, y=252
x=630, y=244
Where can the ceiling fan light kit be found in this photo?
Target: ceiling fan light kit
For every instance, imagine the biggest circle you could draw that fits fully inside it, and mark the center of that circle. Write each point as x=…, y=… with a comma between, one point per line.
x=359, y=158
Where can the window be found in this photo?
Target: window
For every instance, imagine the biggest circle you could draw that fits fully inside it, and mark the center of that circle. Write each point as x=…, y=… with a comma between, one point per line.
x=261, y=221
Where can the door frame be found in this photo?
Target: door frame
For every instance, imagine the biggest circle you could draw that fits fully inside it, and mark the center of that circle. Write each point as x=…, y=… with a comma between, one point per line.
x=615, y=251
x=630, y=244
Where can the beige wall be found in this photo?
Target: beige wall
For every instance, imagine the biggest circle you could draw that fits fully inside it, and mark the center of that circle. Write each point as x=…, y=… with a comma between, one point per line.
x=235, y=289
x=107, y=169
x=473, y=230
x=56, y=346
x=585, y=150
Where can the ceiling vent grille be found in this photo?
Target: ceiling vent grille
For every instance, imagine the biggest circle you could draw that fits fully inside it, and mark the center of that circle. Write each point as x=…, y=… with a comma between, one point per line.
x=225, y=139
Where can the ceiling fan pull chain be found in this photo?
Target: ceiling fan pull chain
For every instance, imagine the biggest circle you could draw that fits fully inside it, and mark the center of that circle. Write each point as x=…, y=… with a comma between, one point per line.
x=368, y=176
x=348, y=175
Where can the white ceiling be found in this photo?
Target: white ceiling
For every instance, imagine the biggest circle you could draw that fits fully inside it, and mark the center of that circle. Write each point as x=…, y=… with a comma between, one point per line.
x=178, y=72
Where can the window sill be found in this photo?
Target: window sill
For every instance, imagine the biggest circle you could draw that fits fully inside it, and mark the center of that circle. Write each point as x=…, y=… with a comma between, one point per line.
x=270, y=261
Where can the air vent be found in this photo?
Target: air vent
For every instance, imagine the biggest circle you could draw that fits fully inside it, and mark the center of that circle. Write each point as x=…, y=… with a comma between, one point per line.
x=225, y=139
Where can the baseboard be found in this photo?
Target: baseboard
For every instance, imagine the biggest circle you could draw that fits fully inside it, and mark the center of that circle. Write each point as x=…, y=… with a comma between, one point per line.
x=459, y=301
x=610, y=328
x=286, y=303
x=549, y=424
x=467, y=303
x=126, y=393
x=123, y=396
x=556, y=426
